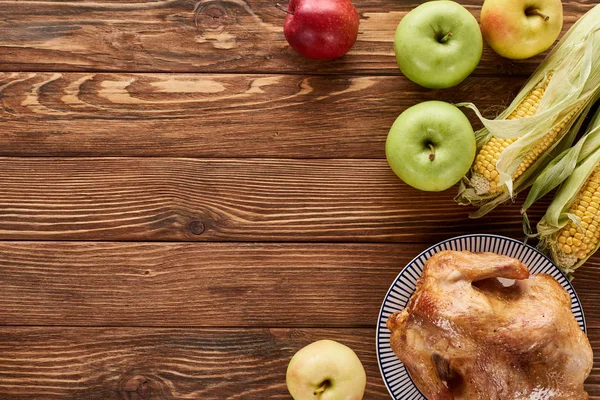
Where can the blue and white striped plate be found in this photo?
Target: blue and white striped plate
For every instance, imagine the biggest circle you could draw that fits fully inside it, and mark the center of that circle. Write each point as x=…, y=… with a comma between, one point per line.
x=395, y=375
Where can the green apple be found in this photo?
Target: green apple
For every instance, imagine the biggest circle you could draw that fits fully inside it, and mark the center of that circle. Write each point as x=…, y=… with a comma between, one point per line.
x=438, y=44
x=431, y=146
x=519, y=29
x=326, y=370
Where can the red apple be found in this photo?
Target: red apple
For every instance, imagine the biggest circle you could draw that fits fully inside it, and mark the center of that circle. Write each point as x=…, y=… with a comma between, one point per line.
x=519, y=29
x=321, y=29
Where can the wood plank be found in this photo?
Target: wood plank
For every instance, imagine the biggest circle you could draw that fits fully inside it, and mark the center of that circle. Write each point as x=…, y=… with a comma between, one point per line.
x=160, y=199
x=197, y=115
x=129, y=363
x=205, y=36
x=199, y=284
x=112, y=363
x=168, y=284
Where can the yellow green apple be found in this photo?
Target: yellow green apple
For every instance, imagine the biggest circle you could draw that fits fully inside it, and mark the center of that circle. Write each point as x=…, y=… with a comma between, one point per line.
x=438, y=44
x=326, y=370
x=431, y=146
x=519, y=29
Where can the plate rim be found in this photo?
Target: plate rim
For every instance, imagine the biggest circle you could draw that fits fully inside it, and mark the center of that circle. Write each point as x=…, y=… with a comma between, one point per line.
x=378, y=327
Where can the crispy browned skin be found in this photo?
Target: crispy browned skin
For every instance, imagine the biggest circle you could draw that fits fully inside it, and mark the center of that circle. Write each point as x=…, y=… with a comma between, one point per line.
x=466, y=336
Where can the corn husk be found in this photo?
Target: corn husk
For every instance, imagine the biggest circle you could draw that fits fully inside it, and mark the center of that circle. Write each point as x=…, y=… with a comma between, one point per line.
x=561, y=167
x=571, y=169
x=575, y=84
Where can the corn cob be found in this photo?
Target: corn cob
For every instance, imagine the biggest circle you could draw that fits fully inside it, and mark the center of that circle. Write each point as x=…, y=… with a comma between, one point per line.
x=485, y=162
x=574, y=242
x=570, y=229
x=485, y=176
x=520, y=142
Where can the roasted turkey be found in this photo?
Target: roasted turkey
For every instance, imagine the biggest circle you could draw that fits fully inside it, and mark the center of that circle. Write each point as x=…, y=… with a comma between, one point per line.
x=466, y=335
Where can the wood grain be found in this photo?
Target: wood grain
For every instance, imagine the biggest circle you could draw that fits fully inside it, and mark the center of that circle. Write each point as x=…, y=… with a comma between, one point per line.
x=208, y=285
x=201, y=115
x=166, y=364
x=119, y=320
x=163, y=364
x=229, y=200
x=170, y=284
x=202, y=36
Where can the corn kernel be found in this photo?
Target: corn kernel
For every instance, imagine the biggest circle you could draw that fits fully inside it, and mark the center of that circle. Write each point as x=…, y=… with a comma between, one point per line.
x=488, y=156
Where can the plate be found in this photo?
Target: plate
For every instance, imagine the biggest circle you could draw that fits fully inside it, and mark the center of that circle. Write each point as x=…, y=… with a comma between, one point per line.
x=396, y=377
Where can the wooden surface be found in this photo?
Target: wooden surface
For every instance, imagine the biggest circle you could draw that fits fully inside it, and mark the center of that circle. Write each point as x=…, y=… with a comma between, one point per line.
x=202, y=36
x=228, y=199
x=208, y=115
x=185, y=202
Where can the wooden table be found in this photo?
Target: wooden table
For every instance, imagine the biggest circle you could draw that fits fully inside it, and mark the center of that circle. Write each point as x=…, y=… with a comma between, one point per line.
x=185, y=202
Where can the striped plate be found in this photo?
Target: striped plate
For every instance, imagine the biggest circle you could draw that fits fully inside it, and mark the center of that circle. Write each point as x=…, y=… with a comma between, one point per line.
x=395, y=376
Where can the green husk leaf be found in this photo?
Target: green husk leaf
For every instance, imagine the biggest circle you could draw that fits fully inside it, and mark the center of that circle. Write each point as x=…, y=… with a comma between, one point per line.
x=527, y=228
x=556, y=216
x=561, y=167
x=553, y=175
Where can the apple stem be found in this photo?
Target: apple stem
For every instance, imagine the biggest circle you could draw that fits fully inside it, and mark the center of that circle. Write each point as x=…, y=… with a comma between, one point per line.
x=432, y=154
x=320, y=390
x=445, y=38
x=283, y=9
x=537, y=12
